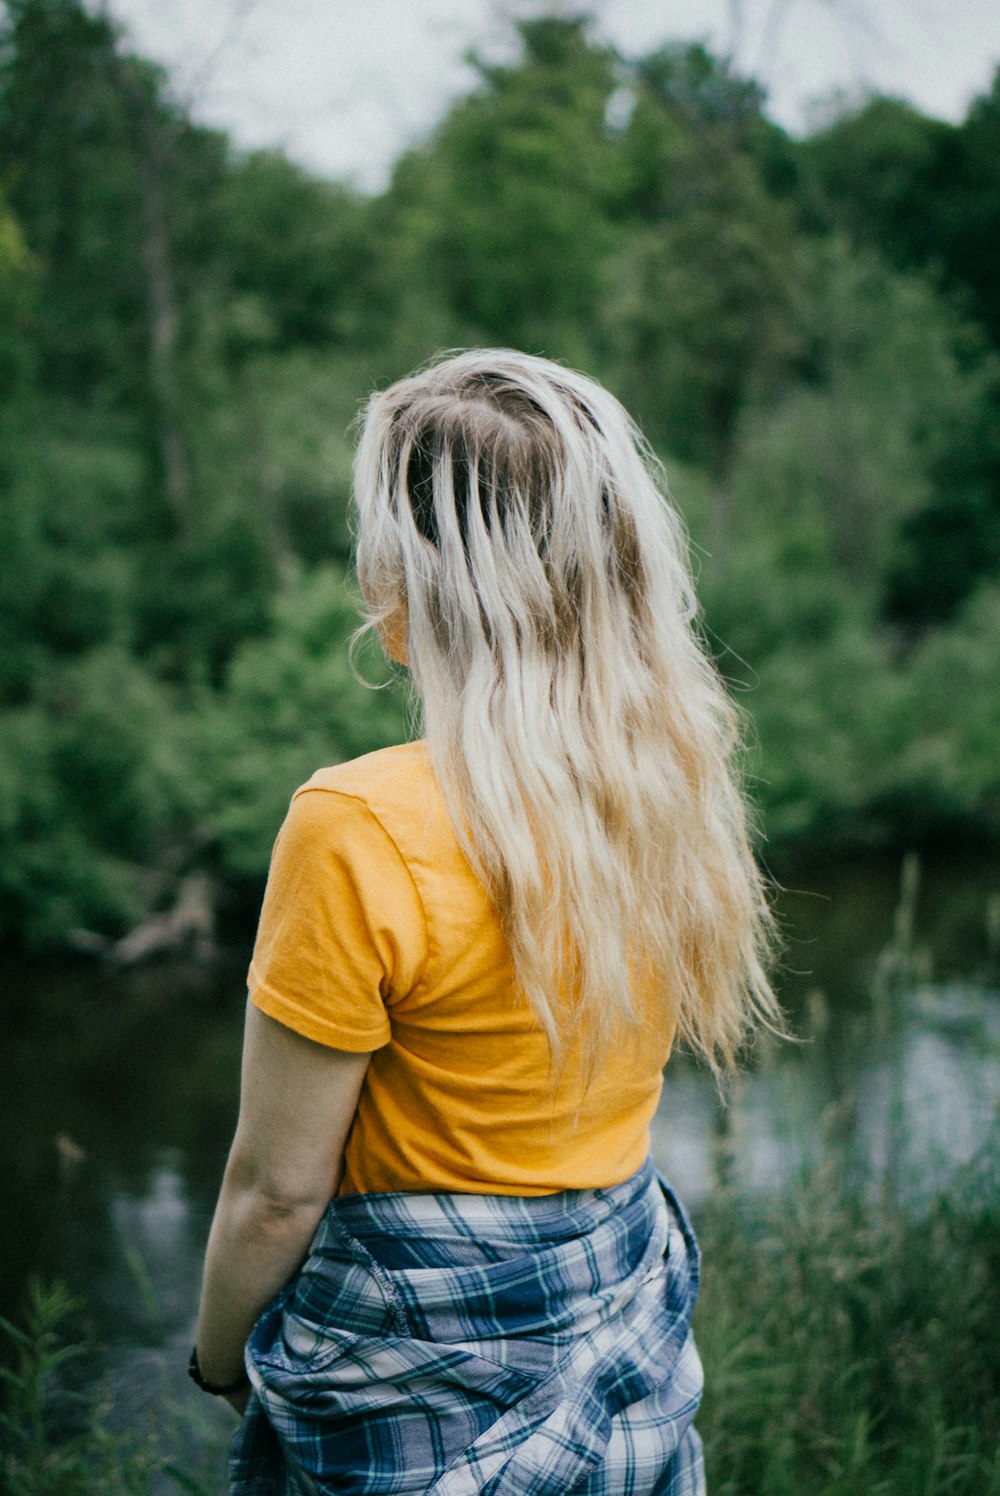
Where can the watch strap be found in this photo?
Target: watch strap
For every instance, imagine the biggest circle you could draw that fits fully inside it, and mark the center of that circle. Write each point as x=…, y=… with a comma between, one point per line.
x=194, y=1372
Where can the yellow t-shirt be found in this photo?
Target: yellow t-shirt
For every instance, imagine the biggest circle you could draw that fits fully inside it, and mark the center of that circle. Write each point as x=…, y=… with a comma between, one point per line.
x=375, y=934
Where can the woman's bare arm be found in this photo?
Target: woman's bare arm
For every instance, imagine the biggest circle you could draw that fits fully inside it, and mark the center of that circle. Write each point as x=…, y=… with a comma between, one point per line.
x=297, y=1102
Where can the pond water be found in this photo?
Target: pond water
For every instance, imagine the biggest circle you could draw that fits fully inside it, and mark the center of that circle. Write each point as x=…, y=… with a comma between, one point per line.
x=122, y=1092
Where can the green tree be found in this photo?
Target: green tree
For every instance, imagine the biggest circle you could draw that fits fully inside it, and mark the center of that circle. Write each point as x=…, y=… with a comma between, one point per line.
x=70, y=174
x=890, y=425
x=927, y=193
x=93, y=791
x=504, y=213
x=701, y=317
x=878, y=173
x=298, y=248
x=949, y=774
x=291, y=704
x=969, y=208
x=17, y=289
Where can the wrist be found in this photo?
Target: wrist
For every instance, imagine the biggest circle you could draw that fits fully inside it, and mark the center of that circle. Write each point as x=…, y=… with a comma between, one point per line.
x=215, y=1389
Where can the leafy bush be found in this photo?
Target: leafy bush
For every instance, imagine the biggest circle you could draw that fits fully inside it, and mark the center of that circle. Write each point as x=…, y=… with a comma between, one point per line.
x=291, y=704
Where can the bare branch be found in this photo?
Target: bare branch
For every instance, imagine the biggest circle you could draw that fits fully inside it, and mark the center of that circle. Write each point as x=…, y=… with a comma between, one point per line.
x=736, y=29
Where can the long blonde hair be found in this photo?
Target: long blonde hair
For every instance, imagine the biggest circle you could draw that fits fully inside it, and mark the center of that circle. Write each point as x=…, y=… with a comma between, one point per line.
x=513, y=531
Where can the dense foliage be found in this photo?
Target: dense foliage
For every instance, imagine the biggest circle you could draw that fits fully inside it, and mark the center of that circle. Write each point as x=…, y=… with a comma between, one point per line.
x=808, y=330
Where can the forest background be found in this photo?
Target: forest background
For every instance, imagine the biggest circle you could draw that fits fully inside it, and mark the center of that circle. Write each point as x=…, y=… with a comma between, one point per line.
x=808, y=329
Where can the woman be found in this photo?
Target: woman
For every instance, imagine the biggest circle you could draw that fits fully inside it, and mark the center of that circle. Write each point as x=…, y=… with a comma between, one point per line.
x=441, y=1260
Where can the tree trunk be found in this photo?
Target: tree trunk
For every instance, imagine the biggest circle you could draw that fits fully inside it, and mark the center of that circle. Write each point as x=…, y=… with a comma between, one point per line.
x=162, y=313
x=161, y=305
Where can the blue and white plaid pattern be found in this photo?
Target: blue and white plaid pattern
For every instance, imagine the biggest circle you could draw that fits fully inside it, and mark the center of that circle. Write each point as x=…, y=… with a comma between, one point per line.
x=482, y=1345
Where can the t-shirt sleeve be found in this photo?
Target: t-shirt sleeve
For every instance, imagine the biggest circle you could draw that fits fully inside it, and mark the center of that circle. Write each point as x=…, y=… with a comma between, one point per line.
x=342, y=931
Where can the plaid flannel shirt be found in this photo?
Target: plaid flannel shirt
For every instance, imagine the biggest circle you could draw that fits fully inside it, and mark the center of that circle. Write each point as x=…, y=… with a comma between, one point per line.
x=450, y=1344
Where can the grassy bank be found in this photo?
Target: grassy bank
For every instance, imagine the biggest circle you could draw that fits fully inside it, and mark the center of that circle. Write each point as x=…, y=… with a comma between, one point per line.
x=850, y=1345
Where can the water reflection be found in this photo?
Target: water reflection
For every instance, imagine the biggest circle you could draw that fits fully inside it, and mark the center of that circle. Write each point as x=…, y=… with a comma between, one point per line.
x=160, y=1237
x=125, y=1093
x=919, y=1102
x=928, y=1099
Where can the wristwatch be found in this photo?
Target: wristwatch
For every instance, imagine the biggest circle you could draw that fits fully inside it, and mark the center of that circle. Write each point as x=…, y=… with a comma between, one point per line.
x=194, y=1372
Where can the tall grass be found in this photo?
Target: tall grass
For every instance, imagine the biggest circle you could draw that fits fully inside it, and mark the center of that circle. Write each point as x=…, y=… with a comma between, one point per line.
x=59, y=1440
x=850, y=1322
x=852, y=1346
x=56, y=1442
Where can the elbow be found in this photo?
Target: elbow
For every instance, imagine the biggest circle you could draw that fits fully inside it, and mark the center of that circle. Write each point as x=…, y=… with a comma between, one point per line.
x=277, y=1200
x=277, y=1210
x=276, y=1223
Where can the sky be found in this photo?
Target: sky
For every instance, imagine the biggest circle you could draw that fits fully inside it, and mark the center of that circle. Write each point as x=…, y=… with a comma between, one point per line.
x=343, y=86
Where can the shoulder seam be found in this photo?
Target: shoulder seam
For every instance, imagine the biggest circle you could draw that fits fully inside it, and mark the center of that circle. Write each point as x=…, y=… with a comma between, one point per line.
x=322, y=789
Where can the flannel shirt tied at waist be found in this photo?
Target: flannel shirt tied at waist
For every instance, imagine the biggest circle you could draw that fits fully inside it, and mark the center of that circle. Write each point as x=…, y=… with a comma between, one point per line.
x=473, y=1345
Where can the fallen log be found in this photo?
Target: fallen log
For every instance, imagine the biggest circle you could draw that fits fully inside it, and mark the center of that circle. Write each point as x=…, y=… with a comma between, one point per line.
x=187, y=929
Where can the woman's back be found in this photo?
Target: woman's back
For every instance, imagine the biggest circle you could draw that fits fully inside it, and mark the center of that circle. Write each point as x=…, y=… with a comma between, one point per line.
x=377, y=934
x=474, y=955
